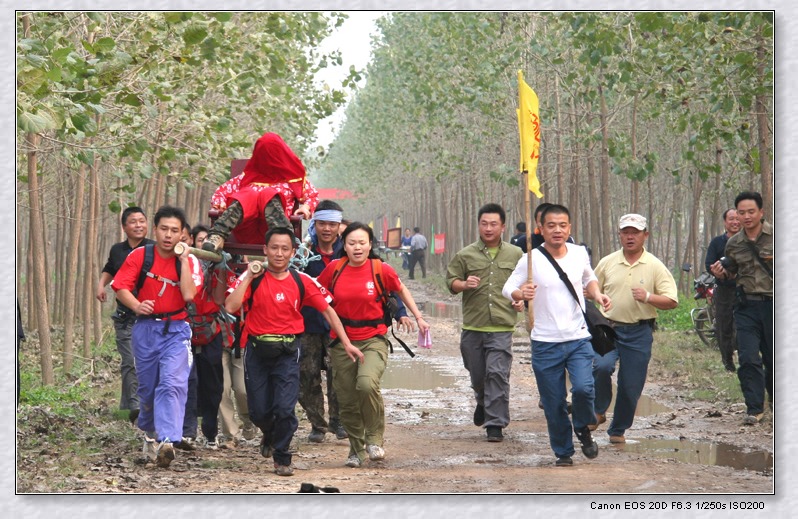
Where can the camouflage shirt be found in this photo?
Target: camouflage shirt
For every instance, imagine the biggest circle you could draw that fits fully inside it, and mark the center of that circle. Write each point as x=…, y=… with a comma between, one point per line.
x=750, y=273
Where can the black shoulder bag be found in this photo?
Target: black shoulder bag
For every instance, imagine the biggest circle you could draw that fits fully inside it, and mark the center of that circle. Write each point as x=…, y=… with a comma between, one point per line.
x=601, y=331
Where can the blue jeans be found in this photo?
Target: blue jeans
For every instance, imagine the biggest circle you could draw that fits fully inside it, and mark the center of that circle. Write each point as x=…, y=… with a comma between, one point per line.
x=754, y=324
x=550, y=360
x=633, y=350
x=272, y=394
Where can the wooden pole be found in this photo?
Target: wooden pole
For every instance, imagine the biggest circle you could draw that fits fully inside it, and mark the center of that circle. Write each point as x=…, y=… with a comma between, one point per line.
x=199, y=253
x=530, y=316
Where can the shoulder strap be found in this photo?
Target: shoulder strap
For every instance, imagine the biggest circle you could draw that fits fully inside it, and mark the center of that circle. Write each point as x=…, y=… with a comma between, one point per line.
x=252, y=287
x=755, y=251
x=299, y=284
x=562, y=274
x=339, y=267
x=376, y=272
x=146, y=267
x=149, y=259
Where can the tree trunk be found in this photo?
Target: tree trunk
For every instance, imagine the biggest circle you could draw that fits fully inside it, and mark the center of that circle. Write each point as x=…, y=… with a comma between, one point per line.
x=604, y=181
x=635, y=195
x=72, y=267
x=91, y=271
x=559, y=132
x=38, y=250
x=763, y=140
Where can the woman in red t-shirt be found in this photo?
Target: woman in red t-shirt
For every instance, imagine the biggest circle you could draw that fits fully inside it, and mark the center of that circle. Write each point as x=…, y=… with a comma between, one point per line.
x=362, y=411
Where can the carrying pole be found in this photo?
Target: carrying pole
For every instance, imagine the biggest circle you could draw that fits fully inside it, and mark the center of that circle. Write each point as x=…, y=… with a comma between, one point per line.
x=199, y=253
x=530, y=224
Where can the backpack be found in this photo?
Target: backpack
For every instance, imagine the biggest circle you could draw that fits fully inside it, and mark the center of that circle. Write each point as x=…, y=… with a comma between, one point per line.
x=389, y=305
x=149, y=259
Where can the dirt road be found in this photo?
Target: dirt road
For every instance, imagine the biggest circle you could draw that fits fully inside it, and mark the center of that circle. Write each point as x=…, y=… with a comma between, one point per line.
x=433, y=447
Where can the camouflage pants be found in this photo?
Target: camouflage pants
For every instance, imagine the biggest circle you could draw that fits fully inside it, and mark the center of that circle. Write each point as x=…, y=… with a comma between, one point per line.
x=232, y=216
x=313, y=360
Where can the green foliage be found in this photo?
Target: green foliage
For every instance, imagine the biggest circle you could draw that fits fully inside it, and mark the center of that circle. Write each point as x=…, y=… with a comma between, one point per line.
x=678, y=319
x=59, y=400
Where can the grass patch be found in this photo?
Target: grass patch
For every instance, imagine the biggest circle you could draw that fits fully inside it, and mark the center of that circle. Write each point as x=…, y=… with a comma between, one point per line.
x=683, y=359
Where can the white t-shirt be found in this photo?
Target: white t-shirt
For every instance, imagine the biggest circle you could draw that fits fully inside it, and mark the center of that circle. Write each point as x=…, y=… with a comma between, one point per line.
x=558, y=318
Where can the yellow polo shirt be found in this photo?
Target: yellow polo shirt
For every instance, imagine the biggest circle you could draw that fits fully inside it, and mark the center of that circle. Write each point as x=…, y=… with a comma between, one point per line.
x=616, y=278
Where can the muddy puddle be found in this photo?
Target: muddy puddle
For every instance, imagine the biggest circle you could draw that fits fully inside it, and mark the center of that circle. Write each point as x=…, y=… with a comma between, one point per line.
x=704, y=453
x=415, y=374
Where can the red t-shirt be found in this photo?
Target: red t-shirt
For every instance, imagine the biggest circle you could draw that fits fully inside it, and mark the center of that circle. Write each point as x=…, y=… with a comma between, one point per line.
x=172, y=298
x=355, y=296
x=275, y=307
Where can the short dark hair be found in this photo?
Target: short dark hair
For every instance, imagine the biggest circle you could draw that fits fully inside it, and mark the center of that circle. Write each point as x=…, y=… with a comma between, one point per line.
x=168, y=211
x=279, y=230
x=131, y=210
x=727, y=212
x=520, y=227
x=492, y=208
x=198, y=229
x=749, y=195
x=360, y=226
x=555, y=209
x=416, y=229
x=329, y=205
x=540, y=208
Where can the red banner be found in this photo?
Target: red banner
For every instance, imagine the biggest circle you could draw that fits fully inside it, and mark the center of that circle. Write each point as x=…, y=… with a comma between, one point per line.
x=440, y=243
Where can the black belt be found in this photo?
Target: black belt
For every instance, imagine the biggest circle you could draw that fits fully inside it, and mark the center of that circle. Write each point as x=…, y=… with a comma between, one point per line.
x=647, y=322
x=758, y=297
x=163, y=317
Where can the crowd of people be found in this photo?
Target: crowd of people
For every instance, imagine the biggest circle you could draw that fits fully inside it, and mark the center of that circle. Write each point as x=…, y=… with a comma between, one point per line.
x=200, y=343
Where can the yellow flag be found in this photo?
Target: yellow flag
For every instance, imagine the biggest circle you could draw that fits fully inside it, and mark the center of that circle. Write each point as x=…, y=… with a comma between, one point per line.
x=398, y=221
x=371, y=224
x=529, y=132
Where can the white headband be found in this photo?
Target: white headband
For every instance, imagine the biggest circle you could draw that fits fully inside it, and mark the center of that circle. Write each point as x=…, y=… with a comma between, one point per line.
x=328, y=215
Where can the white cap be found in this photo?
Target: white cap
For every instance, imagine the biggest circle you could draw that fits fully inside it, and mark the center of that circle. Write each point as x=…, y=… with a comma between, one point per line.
x=632, y=220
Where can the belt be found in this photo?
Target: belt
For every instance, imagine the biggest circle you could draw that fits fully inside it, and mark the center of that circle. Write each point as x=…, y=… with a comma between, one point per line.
x=646, y=322
x=267, y=337
x=758, y=297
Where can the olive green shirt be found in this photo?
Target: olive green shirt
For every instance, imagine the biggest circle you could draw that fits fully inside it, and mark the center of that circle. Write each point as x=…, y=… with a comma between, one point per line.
x=485, y=309
x=750, y=273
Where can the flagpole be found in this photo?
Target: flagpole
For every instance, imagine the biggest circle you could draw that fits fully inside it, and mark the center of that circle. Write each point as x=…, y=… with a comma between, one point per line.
x=530, y=316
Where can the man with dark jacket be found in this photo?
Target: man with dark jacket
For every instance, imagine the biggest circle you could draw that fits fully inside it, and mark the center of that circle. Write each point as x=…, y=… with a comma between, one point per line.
x=724, y=292
x=134, y=224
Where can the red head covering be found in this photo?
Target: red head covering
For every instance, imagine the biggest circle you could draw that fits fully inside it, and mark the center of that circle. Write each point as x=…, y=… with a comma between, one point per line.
x=273, y=162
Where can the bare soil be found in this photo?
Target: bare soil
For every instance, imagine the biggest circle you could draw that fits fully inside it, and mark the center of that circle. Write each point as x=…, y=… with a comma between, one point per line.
x=431, y=444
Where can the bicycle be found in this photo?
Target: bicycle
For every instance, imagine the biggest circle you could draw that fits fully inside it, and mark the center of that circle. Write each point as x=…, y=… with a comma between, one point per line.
x=703, y=315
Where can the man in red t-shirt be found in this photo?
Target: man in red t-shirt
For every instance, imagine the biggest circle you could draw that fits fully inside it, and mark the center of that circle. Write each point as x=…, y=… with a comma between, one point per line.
x=161, y=337
x=273, y=324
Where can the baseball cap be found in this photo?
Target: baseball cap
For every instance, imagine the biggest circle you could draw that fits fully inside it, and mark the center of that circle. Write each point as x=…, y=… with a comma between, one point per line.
x=632, y=220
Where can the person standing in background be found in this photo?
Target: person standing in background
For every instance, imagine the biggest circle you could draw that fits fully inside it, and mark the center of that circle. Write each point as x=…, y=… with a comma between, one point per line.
x=723, y=297
x=418, y=253
x=134, y=224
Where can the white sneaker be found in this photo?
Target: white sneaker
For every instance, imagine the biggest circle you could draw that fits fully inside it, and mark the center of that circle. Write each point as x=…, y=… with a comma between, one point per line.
x=353, y=461
x=150, y=448
x=211, y=444
x=376, y=453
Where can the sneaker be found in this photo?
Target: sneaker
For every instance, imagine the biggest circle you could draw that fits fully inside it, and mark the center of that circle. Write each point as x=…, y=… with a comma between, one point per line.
x=495, y=433
x=617, y=439
x=753, y=419
x=211, y=444
x=316, y=436
x=479, y=415
x=265, y=448
x=213, y=243
x=250, y=431
x=353, y=461
x=186, y=444
x=150, y=449
x=283, y=470
x=376, y=453
x=600, y=419
x=165, y=454
x=589, y=447
x=565, y=461
x=339, y=430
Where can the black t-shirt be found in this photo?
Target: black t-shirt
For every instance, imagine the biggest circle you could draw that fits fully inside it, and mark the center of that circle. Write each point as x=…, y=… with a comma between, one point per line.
x=116, y=257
